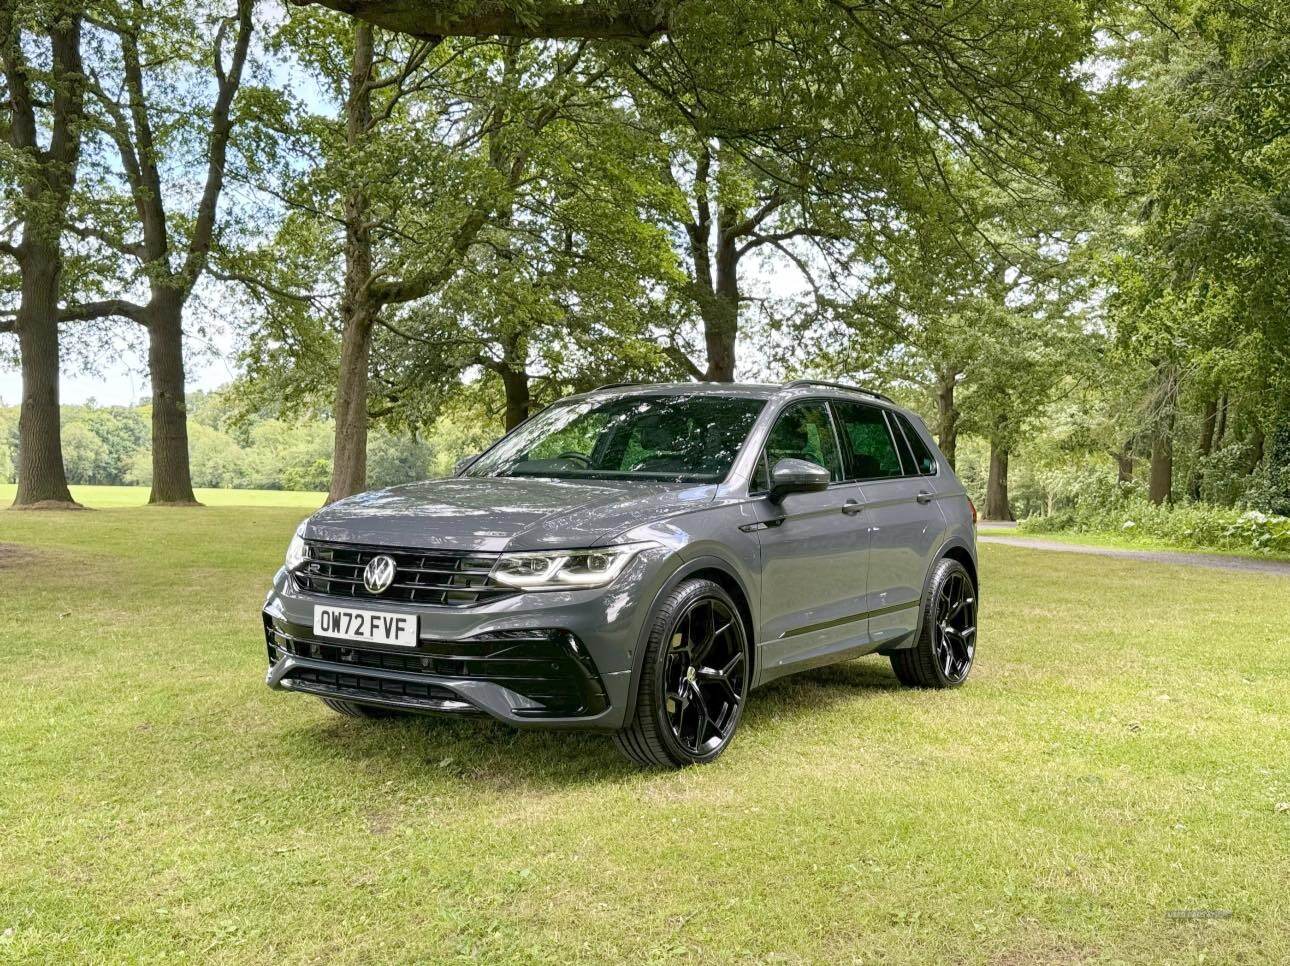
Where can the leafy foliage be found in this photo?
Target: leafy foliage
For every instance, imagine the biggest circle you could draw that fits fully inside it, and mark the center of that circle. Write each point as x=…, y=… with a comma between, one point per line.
x=111, y=445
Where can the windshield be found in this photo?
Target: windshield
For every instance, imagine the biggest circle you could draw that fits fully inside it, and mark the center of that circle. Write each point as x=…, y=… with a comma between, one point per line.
x=686, y=438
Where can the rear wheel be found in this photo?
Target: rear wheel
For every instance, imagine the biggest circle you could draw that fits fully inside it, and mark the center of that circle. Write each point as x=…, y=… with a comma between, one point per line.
x=352, y=709
x=942, y=655
x=694, y=680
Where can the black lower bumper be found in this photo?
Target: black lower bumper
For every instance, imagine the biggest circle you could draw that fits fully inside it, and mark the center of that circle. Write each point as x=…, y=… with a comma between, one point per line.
x=523, y=674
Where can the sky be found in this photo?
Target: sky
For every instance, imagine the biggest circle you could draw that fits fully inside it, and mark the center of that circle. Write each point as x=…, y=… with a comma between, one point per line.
x=120, y=384
x=123, y=380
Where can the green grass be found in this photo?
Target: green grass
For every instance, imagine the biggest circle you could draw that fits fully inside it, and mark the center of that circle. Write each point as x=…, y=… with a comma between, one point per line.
x=1120, y=542
x=1117, y=757
x=97, y=497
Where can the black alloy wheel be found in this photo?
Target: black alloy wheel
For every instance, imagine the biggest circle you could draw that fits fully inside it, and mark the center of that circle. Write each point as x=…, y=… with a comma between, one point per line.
x=945, y=648
x=695, y=680
x=954, y=630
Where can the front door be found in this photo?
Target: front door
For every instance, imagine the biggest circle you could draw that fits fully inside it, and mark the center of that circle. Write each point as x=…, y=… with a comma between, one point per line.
x=814, y=548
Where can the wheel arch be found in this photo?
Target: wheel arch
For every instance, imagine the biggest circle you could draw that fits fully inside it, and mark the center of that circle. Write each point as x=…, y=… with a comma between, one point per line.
x=953, y=549
x=960, y=552
x=700, y=568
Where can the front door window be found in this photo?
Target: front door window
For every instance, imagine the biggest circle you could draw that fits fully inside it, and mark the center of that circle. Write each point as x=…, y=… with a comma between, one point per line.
x=804, y=431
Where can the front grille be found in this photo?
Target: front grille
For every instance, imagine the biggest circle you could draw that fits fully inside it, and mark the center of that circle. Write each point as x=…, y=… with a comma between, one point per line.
x=548, y=667
x=451, y=578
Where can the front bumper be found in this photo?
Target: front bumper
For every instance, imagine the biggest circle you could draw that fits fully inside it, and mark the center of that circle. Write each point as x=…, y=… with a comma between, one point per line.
x=550, y=659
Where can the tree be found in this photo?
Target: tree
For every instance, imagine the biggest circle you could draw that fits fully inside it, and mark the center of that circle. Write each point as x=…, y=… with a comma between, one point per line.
x=1201, y=266
x=814, y=118
x=376, y=156
x=444, y=223
x=567, y=286
x=149, y=102
x=38, y=179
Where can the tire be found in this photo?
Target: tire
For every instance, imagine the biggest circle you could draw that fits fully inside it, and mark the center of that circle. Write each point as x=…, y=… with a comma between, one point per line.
x=352, y=709
x=943, y=653
x=694, y=680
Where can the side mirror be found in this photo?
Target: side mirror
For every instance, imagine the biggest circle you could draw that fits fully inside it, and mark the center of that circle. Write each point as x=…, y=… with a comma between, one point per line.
x=462, y=464
x=796, y=476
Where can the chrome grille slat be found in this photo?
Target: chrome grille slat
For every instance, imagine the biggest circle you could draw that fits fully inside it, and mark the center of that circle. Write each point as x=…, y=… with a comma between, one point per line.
x=439, y=578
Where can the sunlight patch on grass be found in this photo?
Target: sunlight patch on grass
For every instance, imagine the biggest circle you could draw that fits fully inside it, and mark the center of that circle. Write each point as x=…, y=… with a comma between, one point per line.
x=96, y=497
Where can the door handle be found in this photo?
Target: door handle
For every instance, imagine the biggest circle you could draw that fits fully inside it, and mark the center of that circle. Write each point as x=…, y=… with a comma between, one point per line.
x=923, y=497
x=852, y=507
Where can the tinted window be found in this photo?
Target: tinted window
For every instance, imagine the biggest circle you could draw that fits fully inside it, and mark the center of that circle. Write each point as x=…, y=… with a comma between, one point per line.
x=923, y=456
x=872, y=452
x=902, y=444
x=687, y=438
x=760, y=481
x=805, y=432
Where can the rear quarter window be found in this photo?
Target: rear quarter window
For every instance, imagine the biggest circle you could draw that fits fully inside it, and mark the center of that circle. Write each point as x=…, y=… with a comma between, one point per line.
x=924, y=458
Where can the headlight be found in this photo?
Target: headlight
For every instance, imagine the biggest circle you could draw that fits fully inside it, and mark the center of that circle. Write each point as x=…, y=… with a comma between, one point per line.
x=565, y=569
x=296, y=553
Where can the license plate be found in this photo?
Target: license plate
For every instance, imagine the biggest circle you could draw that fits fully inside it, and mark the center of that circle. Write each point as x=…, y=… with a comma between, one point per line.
x=367, y=626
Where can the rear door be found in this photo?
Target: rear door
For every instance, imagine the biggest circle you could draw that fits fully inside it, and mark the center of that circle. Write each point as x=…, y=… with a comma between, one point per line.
x=903, y=519
x=814, y=548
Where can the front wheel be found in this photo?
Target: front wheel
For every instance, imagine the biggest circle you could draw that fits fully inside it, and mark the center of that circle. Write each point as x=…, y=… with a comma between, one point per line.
x=942, y=655
x=694, y=680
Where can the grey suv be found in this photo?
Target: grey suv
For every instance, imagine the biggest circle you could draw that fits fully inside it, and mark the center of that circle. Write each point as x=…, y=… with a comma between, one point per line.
x=635, y=560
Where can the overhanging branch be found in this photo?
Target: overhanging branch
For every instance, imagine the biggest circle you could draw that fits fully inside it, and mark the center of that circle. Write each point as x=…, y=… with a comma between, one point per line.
x=637, y=20
x=107, y=308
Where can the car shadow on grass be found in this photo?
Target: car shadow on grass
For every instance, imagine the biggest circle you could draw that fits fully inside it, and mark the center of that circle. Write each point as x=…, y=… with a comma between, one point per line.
x=481, y=752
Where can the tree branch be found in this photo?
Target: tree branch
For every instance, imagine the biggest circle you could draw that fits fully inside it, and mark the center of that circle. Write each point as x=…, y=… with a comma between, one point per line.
x=252, y=282
x=221, y=127
x=753, y=221
x=638, y=20
x=134, y=249
x=107, y=308
x=683, y=361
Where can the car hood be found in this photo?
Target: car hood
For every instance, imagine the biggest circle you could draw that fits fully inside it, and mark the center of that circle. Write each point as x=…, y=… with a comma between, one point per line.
x=501, y=513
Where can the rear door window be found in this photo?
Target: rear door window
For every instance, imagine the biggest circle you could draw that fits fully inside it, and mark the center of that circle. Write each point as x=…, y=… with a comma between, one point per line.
x=871, y=451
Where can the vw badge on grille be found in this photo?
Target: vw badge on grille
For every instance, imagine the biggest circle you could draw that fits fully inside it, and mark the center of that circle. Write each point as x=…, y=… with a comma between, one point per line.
x=379, y=574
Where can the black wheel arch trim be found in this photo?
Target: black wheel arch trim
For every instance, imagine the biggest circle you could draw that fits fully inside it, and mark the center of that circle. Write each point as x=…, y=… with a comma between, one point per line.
x=683, y=572
x=954, y=543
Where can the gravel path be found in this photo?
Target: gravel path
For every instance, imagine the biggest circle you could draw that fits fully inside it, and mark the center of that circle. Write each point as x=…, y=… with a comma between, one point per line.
x=1181, y=558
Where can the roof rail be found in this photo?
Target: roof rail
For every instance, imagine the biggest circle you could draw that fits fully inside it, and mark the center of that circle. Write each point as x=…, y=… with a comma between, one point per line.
x=838, y=385
x=615, y=385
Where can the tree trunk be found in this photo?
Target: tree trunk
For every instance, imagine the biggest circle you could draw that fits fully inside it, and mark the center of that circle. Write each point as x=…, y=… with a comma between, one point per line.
x=1208, y=424
x=349, y=455
x=1162, y=464
x=1161, y=481
x=171, y=477
x=515, y=383
x=947, y=435
x=1124, y=463
x=721, y=312
x=46, y=186
x=1221, y=429
x=996, y=486
x=41, y=476
x=1257, y=441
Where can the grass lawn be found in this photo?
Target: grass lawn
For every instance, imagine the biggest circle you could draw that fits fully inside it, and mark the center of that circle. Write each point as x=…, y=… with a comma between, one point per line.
x=1123, y=542
x=97, y=497
x=1114, y=767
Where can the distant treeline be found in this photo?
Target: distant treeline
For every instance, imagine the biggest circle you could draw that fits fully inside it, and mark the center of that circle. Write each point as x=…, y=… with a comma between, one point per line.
x=110, y=445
